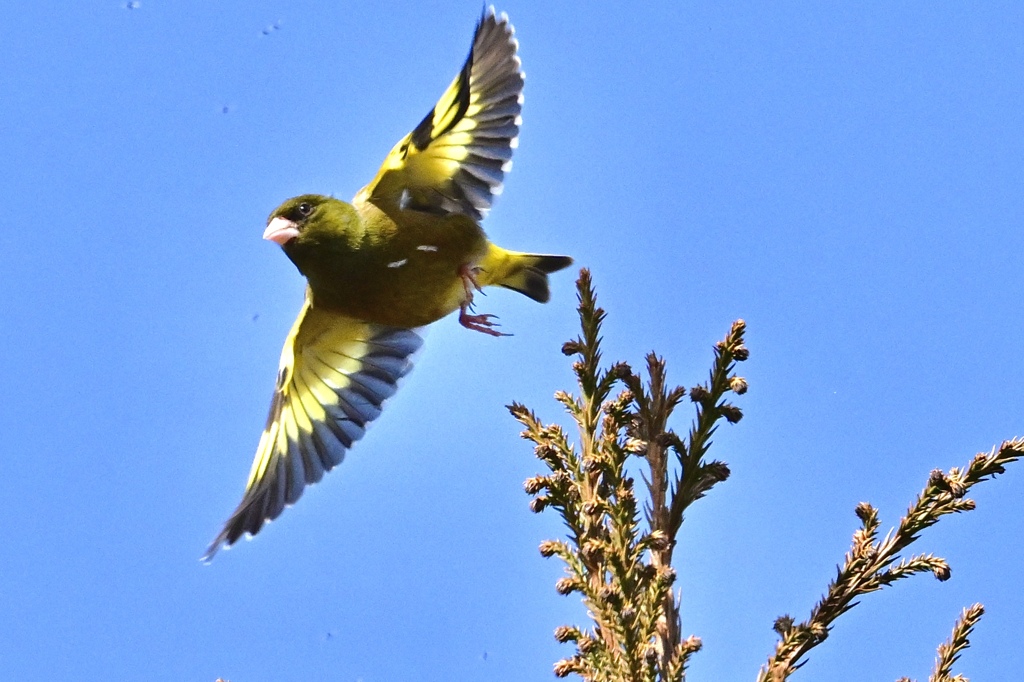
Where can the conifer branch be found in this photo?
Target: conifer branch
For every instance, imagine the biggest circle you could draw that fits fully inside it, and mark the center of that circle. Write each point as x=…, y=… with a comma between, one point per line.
x=620, y=561
x=621, y=567
x=871, y=565
x=950, y=650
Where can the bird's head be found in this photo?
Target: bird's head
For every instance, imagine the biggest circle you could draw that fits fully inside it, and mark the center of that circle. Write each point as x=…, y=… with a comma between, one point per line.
x=296, y=219
x=310, y=224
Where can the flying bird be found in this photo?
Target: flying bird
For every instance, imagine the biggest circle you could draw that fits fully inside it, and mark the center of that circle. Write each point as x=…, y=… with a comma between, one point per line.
x=407, y=251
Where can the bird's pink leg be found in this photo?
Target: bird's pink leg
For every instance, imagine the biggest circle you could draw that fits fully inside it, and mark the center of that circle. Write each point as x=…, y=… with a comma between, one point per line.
x=480, y=323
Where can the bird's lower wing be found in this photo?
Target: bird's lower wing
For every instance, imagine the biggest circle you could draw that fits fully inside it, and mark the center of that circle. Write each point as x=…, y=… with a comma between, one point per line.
x=335, y=373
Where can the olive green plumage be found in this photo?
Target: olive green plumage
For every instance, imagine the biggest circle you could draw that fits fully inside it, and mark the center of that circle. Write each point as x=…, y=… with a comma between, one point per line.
x=406, y=252
x=400, y=267
x=400, y=270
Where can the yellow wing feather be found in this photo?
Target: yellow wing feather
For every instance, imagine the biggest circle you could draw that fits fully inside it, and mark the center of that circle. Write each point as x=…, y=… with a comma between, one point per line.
x=455, y=160
x=334, y=375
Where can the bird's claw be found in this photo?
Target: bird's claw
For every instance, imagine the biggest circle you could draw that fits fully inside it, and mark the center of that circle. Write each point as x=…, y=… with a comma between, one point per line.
x=469, y=282
x=480, y=323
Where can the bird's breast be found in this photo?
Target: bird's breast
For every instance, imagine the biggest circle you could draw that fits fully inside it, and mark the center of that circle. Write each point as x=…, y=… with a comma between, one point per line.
x=405, y=273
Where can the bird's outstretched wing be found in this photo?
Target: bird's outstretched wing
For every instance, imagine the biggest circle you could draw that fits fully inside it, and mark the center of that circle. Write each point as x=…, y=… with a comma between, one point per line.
x=335, y=373
x=455, y=160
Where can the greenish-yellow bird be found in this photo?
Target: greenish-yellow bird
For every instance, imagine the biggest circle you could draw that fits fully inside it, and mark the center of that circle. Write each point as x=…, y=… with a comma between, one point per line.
x=406, y=252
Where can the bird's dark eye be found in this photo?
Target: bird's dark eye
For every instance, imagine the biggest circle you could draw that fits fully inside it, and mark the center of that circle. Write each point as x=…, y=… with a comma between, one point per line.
x=305, y=208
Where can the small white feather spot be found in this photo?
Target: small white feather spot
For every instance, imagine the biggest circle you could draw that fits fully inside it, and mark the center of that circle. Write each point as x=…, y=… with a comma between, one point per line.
x=398, y=263
x=426, y=247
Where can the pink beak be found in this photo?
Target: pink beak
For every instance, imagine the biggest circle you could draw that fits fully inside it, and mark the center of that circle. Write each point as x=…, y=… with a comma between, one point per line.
x=281, y=230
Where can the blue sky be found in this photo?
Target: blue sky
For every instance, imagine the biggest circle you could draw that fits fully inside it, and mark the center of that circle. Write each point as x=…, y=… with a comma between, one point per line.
x=848, y=180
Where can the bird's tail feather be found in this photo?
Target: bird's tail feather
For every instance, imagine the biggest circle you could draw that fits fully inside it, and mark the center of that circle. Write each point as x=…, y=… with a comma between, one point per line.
x=526, y=273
